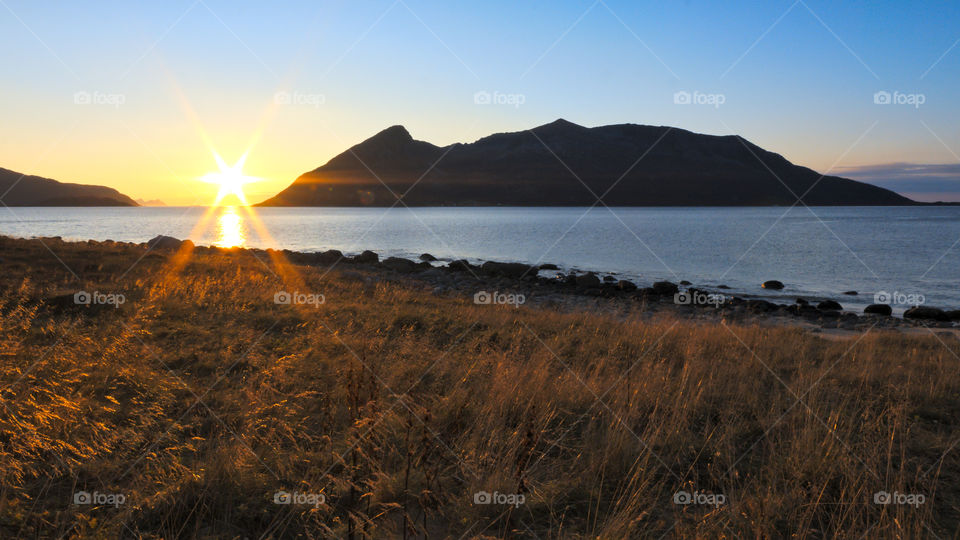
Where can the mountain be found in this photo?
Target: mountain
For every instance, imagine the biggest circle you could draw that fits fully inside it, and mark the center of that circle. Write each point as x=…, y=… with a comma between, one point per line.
x=21, y=190
x=151, y=202
x=564, y=164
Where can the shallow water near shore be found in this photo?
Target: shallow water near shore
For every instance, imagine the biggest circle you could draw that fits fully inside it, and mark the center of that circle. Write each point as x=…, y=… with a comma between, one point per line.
x=908, y=253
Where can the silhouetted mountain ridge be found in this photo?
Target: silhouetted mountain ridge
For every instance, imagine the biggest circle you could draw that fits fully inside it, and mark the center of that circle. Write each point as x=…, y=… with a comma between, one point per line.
x=17, y=189
x=565, y=164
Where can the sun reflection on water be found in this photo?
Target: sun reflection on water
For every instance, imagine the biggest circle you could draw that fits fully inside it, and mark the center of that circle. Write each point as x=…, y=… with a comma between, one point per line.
x=230, y=230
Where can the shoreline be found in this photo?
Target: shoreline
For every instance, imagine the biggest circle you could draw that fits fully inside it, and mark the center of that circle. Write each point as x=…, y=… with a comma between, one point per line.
x=200, y=370
x=549, y=286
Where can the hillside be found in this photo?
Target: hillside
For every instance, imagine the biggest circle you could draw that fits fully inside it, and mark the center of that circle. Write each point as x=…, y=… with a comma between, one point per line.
x=17, y=189
x=564, y=164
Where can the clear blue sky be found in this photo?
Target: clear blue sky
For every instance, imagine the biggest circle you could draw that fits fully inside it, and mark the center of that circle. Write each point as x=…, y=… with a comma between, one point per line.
x=796, y=78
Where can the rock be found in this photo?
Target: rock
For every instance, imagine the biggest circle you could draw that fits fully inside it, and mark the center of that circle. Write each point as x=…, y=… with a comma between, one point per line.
x=397, y=264
x=802, y=302
x=926, y=313
x=850, y=293
x=646, y=293
x=367, y=257
x=549, y=266
x=462, y=265
x=829, y=314
x=588, y=281
x=665, y=288
x=760, y=306
x=829, y=305
x=723, y=287
x=609, y=279
x=625, y=285
x=772, y=284
x=802, y=309
x=514, y=270
x=328, y=257
x=593, y=291
x=427, y=257
x=437, y=291
x=165, y=242
x=879, y=309
x=685, y=283
x=953, y=314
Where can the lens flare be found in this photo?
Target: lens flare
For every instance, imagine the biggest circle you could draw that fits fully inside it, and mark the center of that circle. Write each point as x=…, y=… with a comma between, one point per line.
x=230, y=179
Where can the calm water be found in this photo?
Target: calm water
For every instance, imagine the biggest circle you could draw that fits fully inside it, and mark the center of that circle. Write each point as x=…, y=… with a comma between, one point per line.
x=815, y=252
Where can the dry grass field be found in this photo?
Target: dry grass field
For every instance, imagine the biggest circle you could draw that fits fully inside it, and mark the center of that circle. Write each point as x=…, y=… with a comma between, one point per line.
x=201, y=408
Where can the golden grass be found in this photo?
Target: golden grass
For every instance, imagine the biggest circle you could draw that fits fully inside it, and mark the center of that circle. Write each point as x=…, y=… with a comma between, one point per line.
x=199, y=398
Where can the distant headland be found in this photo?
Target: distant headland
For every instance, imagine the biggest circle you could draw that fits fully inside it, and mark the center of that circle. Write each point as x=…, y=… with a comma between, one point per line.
x=565, y=164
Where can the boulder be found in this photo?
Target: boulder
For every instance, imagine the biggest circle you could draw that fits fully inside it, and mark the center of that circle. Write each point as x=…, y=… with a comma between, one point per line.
x=588, y=281
x=397, y=264
x=427, y=257
x=685, y=283
x=367, y=257
x=802, y=302
x=850, y=293
x=514, y=270
x=879, y=309
x=802, y=309
x=772, y=284
x=328, y=257
x=926, y=313
x=829, y=305
x=954, y=314
x=165, y=242
x=761, y=306
x=609, y=279
x=665, y=288
x=625, y=285
x=723, y=286
x=549, y=266
x=461, y=265
x=647, y=293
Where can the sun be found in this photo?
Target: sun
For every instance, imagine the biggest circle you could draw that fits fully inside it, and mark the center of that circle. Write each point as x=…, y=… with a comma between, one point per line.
x=230, y=179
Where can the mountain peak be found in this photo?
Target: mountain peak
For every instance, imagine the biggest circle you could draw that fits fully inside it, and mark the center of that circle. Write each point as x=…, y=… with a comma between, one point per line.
x=561, y=123
x=396, y=132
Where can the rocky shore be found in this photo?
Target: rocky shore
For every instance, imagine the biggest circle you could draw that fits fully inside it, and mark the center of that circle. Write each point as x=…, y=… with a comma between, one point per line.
x=546, y=285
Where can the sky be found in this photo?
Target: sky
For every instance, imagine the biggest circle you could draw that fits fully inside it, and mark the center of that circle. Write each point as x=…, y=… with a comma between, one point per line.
x=139, y=95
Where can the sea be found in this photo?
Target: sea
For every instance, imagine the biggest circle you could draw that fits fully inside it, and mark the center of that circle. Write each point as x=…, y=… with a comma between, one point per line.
x=898, y=255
